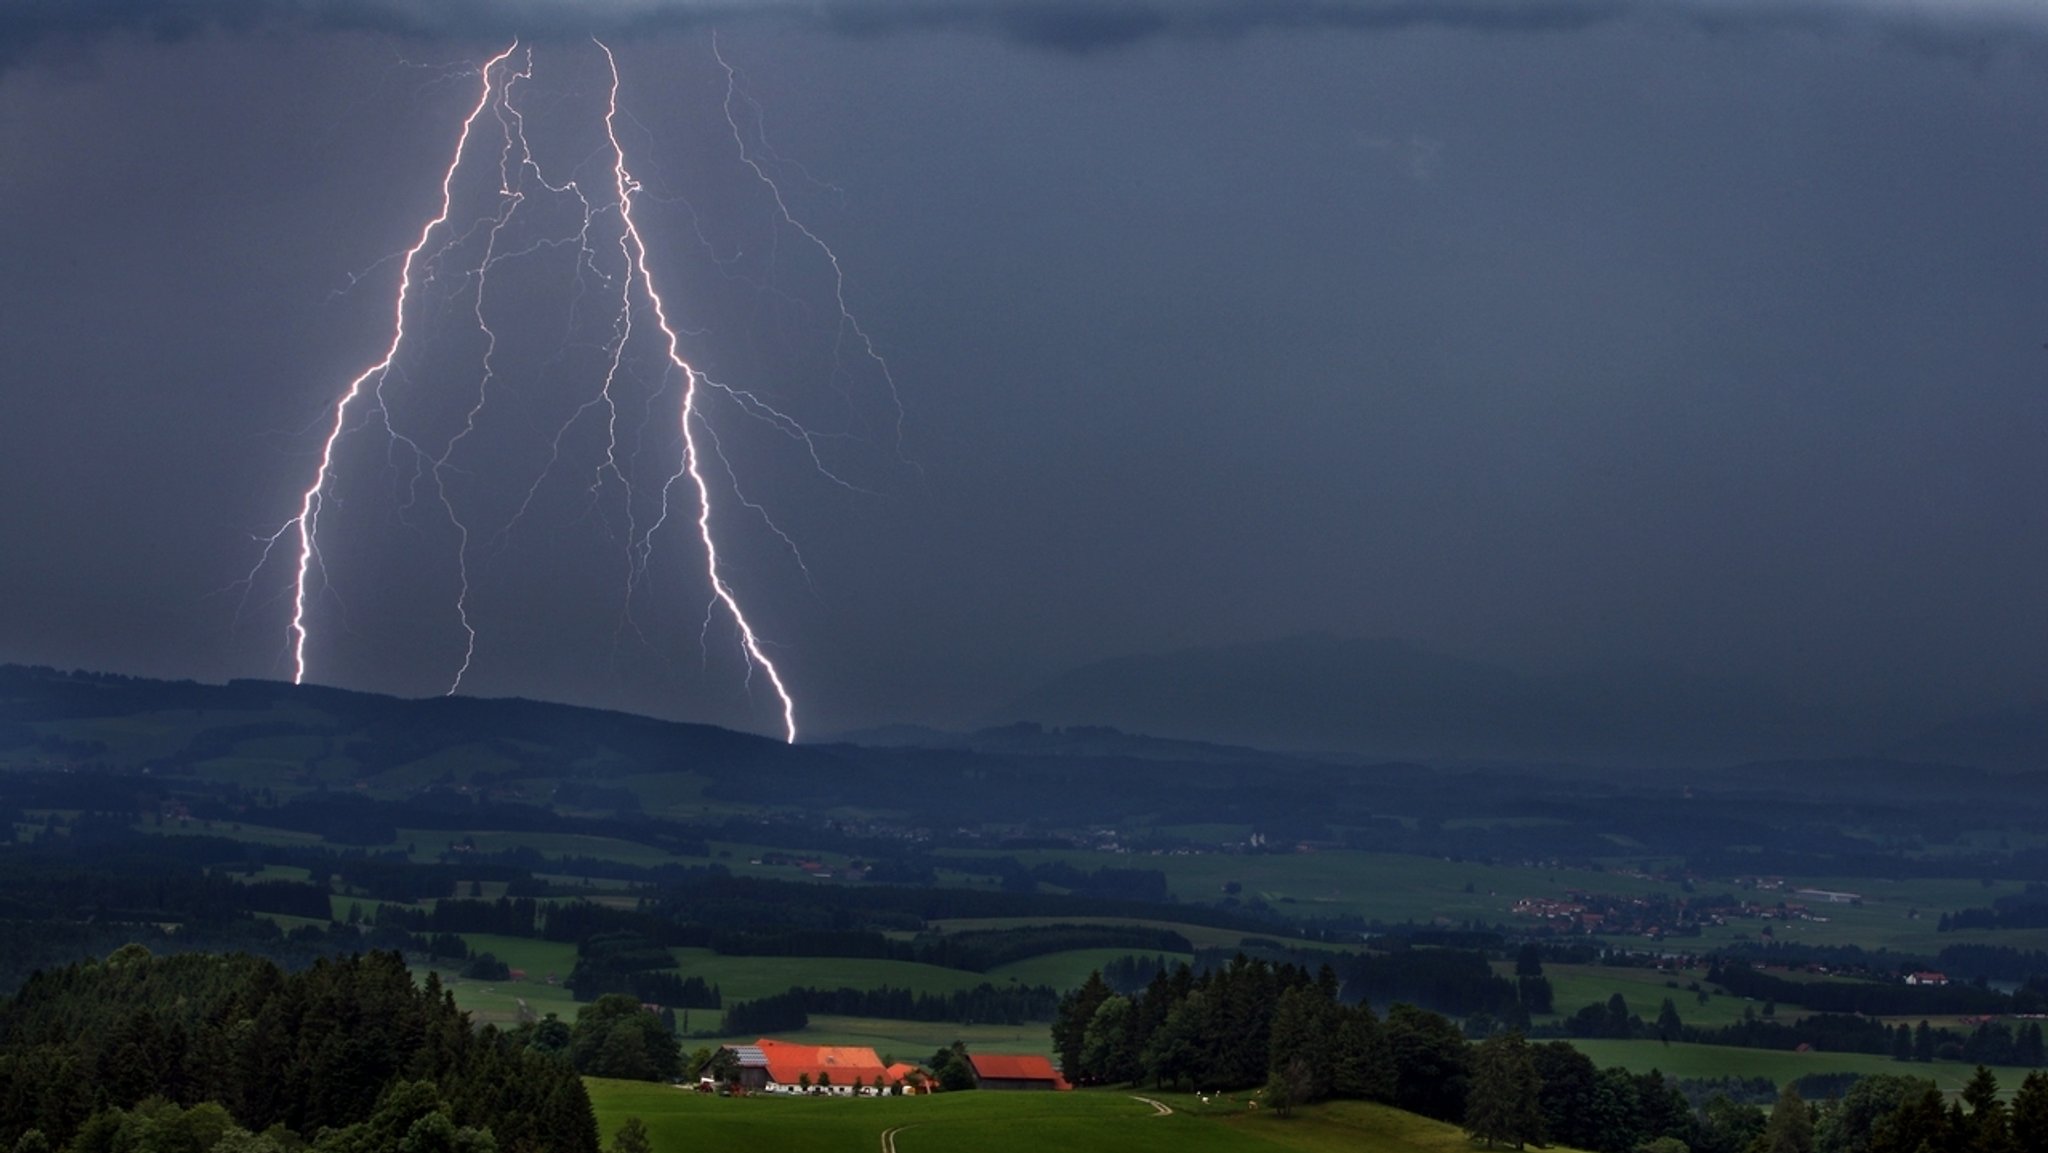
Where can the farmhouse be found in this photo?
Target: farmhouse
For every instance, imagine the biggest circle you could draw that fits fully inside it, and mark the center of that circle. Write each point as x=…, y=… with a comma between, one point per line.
x=1003, y=1071
x=770, y=1066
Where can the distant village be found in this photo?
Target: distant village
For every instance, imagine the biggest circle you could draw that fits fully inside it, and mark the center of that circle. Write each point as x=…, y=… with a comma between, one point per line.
x=1660, y=916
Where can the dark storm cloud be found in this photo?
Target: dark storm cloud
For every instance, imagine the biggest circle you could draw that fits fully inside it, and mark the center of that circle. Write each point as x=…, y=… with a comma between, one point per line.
x=1064, y=25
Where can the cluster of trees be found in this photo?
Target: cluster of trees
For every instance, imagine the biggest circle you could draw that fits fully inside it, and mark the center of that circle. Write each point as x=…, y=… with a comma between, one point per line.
x=614, y=1036
x=2027, y=910
x=1217, y=1030
x=1895, y=1114
x=315, y=1055
x=1996, y=963
x=776, y=1013
x=1613, y=1020
x=410, y=1117
x=983, y=1004
x=627, y=962
x=1459, y=981
x=1251, y=1023
x=1990, y=1043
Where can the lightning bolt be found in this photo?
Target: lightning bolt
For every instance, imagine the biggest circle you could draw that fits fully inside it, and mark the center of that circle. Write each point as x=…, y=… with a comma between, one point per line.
x=848, y=322
x=633, y=294
x=515, y=155
x=306, y=525
x=692, y=462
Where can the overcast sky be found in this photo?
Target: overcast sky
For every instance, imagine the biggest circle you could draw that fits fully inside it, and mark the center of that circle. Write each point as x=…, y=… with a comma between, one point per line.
x=1557, y=334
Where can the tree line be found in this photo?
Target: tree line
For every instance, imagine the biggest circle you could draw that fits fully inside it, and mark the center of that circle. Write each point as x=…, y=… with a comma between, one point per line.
x=341, y=1055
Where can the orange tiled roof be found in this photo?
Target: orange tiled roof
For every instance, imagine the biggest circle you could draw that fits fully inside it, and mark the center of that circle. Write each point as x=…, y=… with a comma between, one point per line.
x=1008, y=1067
x=789, y=1063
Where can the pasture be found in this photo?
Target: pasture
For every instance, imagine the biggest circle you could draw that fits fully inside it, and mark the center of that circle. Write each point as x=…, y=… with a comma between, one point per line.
x=987, y=1122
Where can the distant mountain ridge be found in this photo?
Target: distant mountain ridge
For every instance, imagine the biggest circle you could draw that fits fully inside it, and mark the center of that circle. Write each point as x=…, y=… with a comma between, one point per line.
x=1289, y=705
x=1389, y=698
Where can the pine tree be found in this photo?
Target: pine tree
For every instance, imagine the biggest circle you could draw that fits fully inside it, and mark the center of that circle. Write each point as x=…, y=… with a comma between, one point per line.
x=1669, y=1027
x=2030, y=1114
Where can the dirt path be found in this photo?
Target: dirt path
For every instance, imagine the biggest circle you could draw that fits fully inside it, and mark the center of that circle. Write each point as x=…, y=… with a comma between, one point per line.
x=889, y=1138
x=1159, y=1108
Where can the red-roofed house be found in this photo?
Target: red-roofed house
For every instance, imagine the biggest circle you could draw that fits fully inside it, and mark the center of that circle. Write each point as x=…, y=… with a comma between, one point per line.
x=785, y=1067
x=1005, y=1071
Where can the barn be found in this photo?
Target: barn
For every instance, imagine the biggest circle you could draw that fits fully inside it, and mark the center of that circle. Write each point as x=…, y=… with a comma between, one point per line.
x=1007, y=1071
x=774, y=1066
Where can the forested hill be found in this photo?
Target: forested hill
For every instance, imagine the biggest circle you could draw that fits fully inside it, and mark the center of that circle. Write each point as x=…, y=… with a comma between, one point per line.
x=348, y=1054
x=365, y=731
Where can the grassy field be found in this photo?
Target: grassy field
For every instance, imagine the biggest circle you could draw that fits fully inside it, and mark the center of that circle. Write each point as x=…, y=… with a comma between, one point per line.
x=1681, y=1059
x=1573, y=987
x=987, y=1122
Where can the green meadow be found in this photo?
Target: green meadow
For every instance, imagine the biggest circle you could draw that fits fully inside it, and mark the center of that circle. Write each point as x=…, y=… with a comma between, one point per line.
x=990, y=1122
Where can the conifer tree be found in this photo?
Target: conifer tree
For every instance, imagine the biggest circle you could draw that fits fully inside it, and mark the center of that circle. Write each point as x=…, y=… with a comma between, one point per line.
x=2030, y=1115
x=1790, y=1129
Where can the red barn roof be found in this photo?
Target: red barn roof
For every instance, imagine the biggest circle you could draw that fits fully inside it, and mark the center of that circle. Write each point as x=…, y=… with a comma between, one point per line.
x=789, y=1063
x=1009, y=1067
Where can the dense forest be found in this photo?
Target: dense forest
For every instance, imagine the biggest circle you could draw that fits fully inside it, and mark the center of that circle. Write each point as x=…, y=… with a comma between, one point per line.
x=348, y=1054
